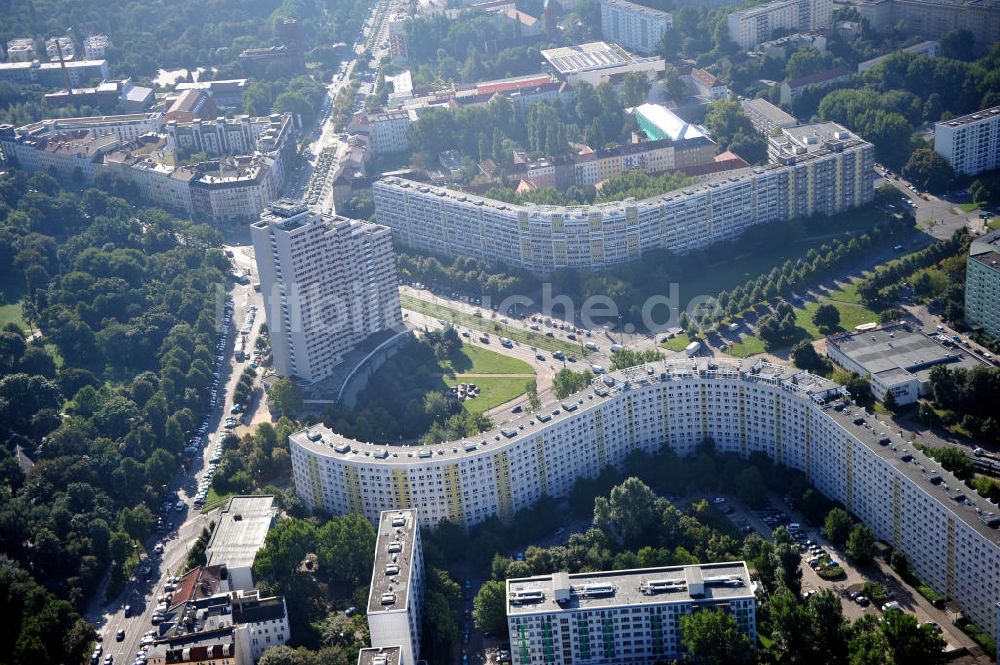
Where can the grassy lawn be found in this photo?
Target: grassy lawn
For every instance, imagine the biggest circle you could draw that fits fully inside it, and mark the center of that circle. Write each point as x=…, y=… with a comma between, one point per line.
x=968, y=207
x=847, y=302
x=851, y=314
x=475, y=360
x=494, y=391
x=993, y=224
x=677, y=343
x=11, y=313
x=750, y=345
x=484, y=323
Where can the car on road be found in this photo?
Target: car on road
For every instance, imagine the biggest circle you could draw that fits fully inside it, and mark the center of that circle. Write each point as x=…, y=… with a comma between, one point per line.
x=120, y=635
x=540, y=356
x=180, y=506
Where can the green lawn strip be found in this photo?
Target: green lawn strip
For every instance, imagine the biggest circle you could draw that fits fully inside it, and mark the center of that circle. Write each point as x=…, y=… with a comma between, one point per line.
x=678, y=343
x=214, y=499
x=494, y=391
x=526, y=337
x=477, y=360
x=968, y=207
x=993, y=224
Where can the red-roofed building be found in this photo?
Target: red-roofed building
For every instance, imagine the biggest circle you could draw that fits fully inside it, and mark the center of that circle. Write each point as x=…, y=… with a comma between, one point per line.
x=528, y=25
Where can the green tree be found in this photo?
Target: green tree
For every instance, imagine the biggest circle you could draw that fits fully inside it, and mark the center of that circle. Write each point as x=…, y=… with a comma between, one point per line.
x=837, y=526
x=861, y=544
x=534, y=401
x=928, y=170
x=713, y=637
x=889, y=401
x=286, y=397
x=804, y=356
x=489, y=607
x=566, y=382
x=909, y=642
x=826, y=316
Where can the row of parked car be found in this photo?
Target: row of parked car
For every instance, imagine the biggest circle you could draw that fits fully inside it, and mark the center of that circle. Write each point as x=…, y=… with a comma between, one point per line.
x=206, y=481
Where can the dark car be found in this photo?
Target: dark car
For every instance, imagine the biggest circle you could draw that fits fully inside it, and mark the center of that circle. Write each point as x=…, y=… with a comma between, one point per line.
x=120, y=635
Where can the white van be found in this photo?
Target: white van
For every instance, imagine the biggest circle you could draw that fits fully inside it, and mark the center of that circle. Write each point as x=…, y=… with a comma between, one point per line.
x=891, y=605
x=617, y=347
x=793, y=527
x=591, y=346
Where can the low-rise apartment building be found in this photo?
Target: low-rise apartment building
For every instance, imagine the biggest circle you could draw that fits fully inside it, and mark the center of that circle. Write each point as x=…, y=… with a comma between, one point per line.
x=51, y=74
x=765, y=117
x=621, y=616
x=792, y=89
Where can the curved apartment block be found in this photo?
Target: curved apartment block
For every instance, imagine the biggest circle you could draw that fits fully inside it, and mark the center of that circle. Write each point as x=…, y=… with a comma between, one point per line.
x=948, y=533
x=814, y=169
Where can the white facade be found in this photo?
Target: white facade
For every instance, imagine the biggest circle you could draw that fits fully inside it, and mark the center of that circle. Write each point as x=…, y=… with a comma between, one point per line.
x=623, y=616
x=832, y=175
x=396, y=594
x=95, y=46
x=388, y=131
x=948, y=533
x=56, y=44
x=971, y=143
x=328, y=284
x=21, y=50
x=634, y=26
x=766, y=117
x=750, y=27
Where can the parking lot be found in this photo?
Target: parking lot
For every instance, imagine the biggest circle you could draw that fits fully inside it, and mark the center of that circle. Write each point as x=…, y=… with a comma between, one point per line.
x=814, y=547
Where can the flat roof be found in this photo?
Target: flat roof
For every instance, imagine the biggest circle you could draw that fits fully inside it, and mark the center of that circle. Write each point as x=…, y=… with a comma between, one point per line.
x=769, y=111
x=985, y=114
x=321, y=440
x=919, y=468
x=987, y=243
x=562, y=592
x=638, y=9
x=897, y=347
x=394, y=559
x=990, y=259
x=671, y=124
x=940, y=485
x=587, y=57
x=240, y=531
x=380, y=656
